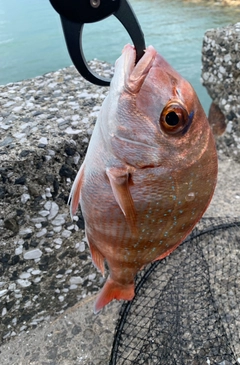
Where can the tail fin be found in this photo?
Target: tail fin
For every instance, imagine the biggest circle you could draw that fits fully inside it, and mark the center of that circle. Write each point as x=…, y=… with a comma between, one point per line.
x=113, y=290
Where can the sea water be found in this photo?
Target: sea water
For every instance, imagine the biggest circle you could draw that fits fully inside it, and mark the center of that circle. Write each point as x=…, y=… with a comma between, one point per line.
x=32, y=42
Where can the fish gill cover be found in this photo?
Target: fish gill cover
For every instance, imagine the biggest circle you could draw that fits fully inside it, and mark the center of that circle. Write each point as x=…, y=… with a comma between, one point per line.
x=186, y=310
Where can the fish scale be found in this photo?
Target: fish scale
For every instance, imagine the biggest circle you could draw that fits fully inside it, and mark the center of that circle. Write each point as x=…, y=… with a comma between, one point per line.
x=149, y=173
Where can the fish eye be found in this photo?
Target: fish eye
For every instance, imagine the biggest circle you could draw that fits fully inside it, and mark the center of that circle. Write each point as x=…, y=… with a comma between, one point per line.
x=174, y=117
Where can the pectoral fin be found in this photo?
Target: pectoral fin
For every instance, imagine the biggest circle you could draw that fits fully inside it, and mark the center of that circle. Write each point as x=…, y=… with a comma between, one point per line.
x=75, y=191
x=119, y=180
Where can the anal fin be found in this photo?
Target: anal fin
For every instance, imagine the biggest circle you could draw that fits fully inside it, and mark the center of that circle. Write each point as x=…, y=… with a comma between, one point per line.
x=166, y=253
x=97, y=257
x=119, y=181
x=113, y=290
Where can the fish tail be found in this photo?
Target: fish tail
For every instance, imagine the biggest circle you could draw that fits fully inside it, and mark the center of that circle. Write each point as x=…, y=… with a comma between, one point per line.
x=113, y=290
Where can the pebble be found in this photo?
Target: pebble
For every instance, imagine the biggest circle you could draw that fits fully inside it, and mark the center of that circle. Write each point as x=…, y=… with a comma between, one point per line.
x=19, y=250
x=3, y=292
x=36, y=272
x=69, y=130
x=54, y=209
x=43, y=213
x=25, y=231
x=80, y=246
x=76, y=280
x=59, y=220
x=12, y=286
x=23, y=283
x=73, y=287
x=41, y=233
x=43, y=140
x=23, y=328
x=48, y=193
x=25, y=197
x=58, y=241
x=92, y=276
x=24, y=275
x=66, y=233
x=57, y=229
x=33, y=254
x=48, y=205
x=38, y=219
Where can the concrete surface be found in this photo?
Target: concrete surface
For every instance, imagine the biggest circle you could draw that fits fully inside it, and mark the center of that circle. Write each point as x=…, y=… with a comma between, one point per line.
x=80, y=337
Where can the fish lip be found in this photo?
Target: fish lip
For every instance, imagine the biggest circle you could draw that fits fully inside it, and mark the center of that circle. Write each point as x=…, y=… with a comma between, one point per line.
x=135, y=74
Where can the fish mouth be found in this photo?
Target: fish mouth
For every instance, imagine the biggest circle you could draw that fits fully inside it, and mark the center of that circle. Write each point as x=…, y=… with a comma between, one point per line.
x=128, y=74
x=135, y=74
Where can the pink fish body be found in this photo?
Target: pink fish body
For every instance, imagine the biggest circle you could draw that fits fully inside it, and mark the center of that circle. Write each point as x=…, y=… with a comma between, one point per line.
x=149, y=173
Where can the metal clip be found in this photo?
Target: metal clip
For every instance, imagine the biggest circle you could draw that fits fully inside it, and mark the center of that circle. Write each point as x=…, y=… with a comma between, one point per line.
x=74, y=14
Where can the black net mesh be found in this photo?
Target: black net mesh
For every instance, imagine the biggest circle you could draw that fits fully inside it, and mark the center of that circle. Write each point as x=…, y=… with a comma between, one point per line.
x=187, y=307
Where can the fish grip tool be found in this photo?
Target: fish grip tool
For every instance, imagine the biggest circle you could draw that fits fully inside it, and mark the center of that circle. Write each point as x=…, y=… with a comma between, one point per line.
x=74, y=14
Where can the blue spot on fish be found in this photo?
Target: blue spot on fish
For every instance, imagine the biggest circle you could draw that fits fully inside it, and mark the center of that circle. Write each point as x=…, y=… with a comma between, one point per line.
x=190, y=119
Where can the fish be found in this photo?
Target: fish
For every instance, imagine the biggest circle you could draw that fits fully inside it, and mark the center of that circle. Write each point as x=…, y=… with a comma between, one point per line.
x=149, y=173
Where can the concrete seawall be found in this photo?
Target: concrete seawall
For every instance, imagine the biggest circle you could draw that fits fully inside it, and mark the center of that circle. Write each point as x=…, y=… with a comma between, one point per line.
x=45, y=266
x=45, y=124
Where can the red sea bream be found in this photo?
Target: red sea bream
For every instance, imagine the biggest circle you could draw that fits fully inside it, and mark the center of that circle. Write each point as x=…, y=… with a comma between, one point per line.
x=149, y=173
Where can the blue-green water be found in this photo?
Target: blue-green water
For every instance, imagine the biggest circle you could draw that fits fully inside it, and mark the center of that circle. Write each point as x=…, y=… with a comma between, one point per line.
x=31, y=39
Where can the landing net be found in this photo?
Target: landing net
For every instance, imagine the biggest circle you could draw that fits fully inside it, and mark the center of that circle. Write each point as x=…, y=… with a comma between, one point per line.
x=186, y=310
